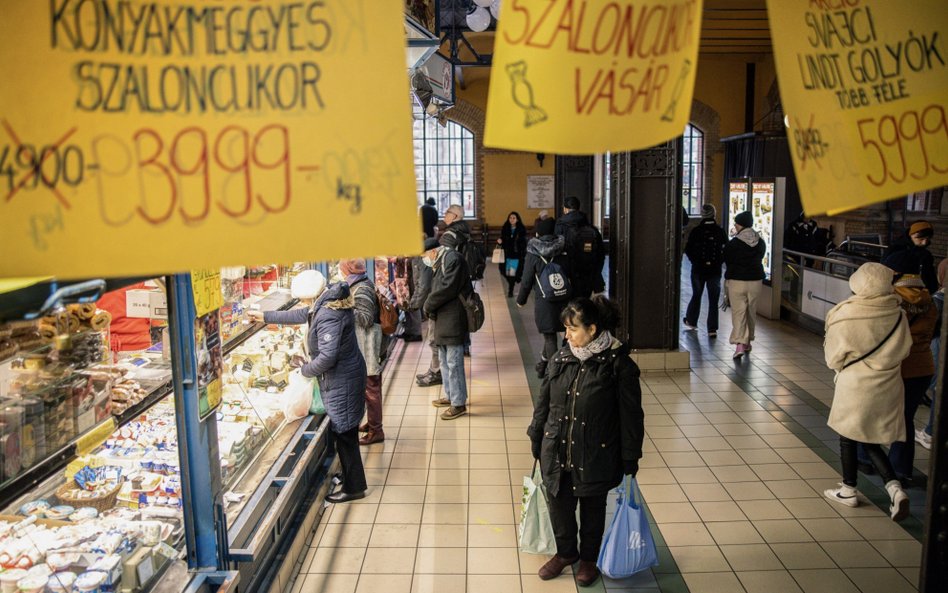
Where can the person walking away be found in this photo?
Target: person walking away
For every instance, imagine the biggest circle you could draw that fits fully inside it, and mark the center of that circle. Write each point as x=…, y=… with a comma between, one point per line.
x=513, y=240
x=543, y=250
x=743, y=256
x=336, y=363
x=369, y=338
x=429, y=219
x=584, y=247
x=422, y=275
x=587, y=432
x=919, y=367
x=915, y=247
x=705, y=251
x=443, y=306
x=867, y=338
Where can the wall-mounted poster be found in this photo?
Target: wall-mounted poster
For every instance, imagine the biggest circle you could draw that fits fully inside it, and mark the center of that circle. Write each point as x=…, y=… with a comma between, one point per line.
x=540, y=192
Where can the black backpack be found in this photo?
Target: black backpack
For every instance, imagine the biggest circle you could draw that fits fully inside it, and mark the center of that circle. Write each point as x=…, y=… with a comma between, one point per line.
x=473, y=309
x=476, y=261
x=708, y=252
x=554, y=281
x=584, y=250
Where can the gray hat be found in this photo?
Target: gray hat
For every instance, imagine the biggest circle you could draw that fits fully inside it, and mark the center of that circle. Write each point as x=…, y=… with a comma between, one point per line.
x=708, y=211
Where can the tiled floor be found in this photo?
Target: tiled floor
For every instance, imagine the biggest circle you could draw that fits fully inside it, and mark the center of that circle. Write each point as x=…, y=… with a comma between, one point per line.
x=736, y=459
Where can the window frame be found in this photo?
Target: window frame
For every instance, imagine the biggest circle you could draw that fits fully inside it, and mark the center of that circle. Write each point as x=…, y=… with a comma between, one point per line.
x=445, y=163
x=693, y=169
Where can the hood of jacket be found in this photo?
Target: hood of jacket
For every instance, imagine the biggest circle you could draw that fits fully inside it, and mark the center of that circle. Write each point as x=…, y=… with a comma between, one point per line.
x=456, y=234
x=873, y=297
x=547, y=246
x=573, y=218
x=749, y=236
x=336, y=296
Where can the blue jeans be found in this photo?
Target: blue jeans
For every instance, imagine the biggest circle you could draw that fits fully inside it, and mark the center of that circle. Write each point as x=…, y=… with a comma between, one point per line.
x=698, y=283
x=933, y=386
x=452, y=374
x=902, y=454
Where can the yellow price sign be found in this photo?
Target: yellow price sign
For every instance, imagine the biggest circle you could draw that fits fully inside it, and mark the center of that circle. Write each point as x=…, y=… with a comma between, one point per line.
x=206, y=287
x=154, y=137
x=865, y=90
x=589, y=77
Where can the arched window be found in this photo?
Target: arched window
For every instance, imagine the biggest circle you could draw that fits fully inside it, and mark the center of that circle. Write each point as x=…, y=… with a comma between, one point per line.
x=444, y=163
x=692, y=170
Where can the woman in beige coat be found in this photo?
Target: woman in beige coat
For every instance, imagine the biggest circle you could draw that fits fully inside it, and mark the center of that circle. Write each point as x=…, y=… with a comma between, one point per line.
x=867, y=337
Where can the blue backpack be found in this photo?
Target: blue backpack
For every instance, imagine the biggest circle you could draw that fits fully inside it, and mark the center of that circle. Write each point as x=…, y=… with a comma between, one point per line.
x=553, y=281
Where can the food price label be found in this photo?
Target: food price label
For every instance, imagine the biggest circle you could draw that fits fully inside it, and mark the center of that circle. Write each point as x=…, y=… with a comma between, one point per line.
x=160, y=136
x=585, y=77
x=206, y=287
x=864, y=85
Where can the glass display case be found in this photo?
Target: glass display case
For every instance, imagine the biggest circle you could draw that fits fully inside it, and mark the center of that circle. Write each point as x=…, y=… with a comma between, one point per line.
x=90, y=475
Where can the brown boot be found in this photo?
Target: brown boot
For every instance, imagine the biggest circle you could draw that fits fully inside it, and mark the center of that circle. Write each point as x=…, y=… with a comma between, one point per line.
x=587, y=574
x=555, y=567
x=373, y=403
x=372, y=437
x=364, y=427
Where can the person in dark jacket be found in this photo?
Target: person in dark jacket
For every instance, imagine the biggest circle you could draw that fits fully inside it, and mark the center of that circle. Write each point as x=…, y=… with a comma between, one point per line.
x=513, y=240
x=429, y=218
x=338, y=366
x=421, y=277
x=544, y=248
x=457, y=234
x=443, y=306
x=743, y=256
x=369, y=336
x=585, y=266
x=915, y=245
x=587, y=432
x=705, y=251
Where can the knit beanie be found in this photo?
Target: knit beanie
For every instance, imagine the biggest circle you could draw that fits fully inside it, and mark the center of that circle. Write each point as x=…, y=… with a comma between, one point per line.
x=352, y=266
x=307, y=285
x=744, y=219
x=923, y=228
x=708, y=211
x=545, y=227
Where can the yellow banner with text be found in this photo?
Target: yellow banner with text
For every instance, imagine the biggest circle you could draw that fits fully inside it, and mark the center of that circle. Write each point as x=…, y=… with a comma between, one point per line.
x=588, y=77
x=864, y=89
x=161, y=136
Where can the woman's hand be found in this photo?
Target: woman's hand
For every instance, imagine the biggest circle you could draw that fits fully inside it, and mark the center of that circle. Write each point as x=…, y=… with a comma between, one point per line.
x=254, y=315
x=630, y=468
x=535, y=448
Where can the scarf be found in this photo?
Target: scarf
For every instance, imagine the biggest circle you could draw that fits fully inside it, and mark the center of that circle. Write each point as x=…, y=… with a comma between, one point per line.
x=598, y=345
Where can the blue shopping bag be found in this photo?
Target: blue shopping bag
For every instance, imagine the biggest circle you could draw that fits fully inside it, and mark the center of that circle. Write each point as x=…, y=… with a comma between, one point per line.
x=627, y=546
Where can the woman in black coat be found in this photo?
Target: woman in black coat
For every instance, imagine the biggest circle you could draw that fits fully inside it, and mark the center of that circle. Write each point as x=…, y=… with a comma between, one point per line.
x=337, y=364
x=587, y=432
x=513, y=240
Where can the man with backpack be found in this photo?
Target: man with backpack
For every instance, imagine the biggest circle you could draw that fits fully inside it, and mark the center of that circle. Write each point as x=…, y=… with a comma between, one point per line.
x=546, y=273
x=458, y=229
x=584, y=249
x=445, y=309
x=705, y=251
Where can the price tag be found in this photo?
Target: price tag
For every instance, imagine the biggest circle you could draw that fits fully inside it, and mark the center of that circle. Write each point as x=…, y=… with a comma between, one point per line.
x=864, y=85
x=206, y=286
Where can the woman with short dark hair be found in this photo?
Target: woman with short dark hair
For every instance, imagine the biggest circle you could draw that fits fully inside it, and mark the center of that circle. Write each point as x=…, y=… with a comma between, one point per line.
x=587, y=432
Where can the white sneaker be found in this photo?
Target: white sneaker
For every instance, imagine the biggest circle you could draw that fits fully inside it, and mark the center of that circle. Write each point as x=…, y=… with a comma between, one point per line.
x=900, y=500
x=844, y=495
x=923, y=438
x=687, y=325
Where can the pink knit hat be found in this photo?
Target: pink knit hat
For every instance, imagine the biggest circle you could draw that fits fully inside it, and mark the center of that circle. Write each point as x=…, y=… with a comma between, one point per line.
x=352, y=266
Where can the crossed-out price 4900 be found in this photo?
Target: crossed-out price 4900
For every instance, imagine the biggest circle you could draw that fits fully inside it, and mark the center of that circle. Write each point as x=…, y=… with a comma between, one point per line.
x=913, y=143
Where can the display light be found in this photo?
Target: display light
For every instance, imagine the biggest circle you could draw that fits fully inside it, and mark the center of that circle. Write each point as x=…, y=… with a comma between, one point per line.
x=479, y=19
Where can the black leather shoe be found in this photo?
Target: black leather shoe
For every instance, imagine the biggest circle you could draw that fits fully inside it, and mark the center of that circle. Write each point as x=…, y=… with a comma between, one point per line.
x=337, y=497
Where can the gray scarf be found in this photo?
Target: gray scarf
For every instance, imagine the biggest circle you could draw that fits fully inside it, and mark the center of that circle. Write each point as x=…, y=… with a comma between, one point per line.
x=598, y=345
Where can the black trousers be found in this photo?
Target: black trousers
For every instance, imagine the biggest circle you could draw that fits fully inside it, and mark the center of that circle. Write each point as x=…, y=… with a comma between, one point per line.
x=592, y=522
x=847, y=453
x=550, y=345
x=353, y=473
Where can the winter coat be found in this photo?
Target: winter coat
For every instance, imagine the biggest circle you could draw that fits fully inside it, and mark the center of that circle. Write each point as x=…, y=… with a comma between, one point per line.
x=513, y=240
x=921, y=258
x=922, y=315
x=336, y=360
x=444, y=304
x=868, y=402
x=586, y=280
x=705, y=247
x=368, y=328
x=421, y=280
x=589, y=420
x=429, y=220
x=125, y=333
x=456, y=235
x=744, y=256
x=545, y=313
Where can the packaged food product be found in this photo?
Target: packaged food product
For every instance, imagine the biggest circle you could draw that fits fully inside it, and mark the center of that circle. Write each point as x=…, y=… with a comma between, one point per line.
x=83, y=514
x=90, y=582
x=61, y=582
x=37, y=507
x=32, y=584
x=9, y=580
x=60, y=512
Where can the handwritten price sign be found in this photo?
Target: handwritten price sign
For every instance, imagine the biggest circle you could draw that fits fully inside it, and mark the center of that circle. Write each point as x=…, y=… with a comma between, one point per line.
x=865, y=88
x=137, y=138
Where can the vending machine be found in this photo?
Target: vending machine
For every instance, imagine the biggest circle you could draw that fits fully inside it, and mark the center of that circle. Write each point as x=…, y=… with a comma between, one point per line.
x=764, y=198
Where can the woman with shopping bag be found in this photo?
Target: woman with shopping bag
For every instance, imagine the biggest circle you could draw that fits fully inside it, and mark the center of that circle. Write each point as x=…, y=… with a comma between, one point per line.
x=513, y=243
x=587, y=432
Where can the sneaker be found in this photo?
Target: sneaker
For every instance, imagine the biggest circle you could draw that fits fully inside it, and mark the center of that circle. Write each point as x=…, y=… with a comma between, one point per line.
x=454, y=412
x=747, y=348
x=687, y=325
x=712, y=334
x=441, y=402
x=899, y=509
x=429, y=380
x=923, y=438
x=844, y=495
x=738, y=352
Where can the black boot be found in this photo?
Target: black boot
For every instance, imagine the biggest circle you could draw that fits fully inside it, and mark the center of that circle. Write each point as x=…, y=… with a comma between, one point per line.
x=541, y=368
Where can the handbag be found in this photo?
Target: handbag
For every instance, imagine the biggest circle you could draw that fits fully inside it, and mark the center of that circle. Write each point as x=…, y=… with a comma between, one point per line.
x=497, y=257
x=627, y=546
x=317, y=407
x=536, y=528
x=512, y=266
